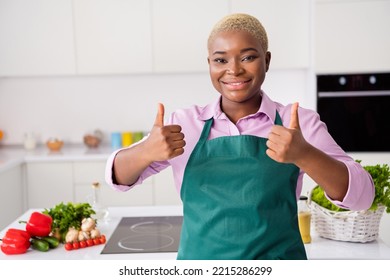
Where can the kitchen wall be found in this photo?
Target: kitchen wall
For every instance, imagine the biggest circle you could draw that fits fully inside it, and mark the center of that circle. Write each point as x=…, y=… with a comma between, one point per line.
x=68, y=107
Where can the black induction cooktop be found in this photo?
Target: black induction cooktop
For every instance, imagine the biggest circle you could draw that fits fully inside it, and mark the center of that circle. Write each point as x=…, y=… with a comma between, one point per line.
x=145, y=235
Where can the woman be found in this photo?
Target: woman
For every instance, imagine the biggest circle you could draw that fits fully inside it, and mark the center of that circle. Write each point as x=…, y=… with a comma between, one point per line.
x=238, y=162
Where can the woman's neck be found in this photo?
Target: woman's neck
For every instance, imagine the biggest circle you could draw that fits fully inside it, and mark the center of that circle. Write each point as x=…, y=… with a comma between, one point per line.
x=237, y=110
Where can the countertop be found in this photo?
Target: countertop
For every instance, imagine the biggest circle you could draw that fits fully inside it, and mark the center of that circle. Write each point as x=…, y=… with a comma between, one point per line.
x=318, y=249
x=12, y=155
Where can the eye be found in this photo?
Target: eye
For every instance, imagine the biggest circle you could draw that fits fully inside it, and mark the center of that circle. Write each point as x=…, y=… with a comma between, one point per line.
x=220, y=60
x=249, y=58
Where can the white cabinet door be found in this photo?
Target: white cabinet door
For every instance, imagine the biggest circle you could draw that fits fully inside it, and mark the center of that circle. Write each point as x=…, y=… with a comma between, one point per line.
x=36, y=38
x=49, y=183
x=180, y=32
x=288, y=29
x=165, y=190
x=11, y=195
x=113, y=36
x=352, y=36
x=85, y=173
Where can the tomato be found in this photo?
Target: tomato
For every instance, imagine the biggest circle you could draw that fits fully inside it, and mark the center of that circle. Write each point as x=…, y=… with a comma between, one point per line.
x=96, y=241
x=83, y=244
x=68, y=246
x=102, y=239
x=76, y=245
x=90, y=242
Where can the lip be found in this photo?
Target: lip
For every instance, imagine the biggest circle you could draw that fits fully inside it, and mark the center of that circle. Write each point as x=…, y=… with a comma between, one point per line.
x=236, y=85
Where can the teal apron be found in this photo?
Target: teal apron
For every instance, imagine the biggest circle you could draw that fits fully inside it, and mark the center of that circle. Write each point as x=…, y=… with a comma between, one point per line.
x=238, y=203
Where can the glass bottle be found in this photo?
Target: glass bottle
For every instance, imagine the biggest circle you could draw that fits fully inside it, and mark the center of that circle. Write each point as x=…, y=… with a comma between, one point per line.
x=304, y=219
x=29, y=141
x=101, y=211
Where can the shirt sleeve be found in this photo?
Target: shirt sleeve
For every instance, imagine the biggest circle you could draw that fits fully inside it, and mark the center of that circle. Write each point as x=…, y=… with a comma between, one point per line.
x=109, y=174
x=361, y=190
x=154, y=168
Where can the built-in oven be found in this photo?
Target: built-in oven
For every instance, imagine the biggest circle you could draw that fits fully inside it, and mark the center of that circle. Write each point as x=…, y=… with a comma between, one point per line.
x=356, y=110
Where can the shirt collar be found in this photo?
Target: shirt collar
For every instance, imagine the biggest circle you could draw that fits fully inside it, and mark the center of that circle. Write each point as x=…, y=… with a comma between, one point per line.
x=213, y=110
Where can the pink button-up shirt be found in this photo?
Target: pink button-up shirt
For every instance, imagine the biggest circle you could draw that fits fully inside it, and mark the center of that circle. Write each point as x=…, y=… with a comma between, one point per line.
x=360, y=191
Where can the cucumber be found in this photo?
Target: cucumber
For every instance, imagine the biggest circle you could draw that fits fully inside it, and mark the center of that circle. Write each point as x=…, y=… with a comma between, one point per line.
x=53, y=242
x=39, y=244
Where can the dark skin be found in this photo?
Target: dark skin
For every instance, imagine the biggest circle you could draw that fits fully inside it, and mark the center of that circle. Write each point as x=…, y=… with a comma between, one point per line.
x=238, y=65
x=237, y=72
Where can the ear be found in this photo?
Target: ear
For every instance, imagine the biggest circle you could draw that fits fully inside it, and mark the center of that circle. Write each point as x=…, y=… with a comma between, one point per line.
x=267, y=60
x=208, y=60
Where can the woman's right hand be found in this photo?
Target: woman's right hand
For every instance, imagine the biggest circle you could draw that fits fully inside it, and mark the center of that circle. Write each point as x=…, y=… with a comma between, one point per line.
x=163, y=142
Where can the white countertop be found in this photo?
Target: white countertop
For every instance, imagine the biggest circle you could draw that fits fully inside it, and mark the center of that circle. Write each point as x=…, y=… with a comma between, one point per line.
x=13, y=155
x=319, y=249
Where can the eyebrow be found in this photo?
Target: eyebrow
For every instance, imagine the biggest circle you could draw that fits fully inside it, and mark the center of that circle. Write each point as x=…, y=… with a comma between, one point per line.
x=242, y=51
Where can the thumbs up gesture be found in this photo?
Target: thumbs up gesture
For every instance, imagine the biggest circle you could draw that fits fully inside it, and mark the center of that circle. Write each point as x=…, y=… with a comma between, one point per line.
x=164, y=142
x=287, y=144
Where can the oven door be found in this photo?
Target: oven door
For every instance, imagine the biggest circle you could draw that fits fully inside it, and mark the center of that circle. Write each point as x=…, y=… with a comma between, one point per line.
x=355, y=109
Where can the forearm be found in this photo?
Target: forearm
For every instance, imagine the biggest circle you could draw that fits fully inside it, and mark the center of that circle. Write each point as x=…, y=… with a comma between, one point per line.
x=329, y=173
x=129, y=165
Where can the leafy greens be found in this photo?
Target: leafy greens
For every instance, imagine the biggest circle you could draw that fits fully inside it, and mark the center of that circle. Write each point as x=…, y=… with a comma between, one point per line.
x=68, y=215
x=381, y=177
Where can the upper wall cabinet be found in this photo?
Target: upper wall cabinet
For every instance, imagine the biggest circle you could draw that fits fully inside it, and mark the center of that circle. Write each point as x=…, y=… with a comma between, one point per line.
x=113, y=36
x=180, y=32
x=352, y=36
x=288, y=29
x=89, y=37
x=36, y=38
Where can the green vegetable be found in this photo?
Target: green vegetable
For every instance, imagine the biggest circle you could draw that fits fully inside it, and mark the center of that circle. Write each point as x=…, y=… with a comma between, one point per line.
x=380, y=174
x=53, y=242
x=318, y=196
x=39, y=244
x=68, y=215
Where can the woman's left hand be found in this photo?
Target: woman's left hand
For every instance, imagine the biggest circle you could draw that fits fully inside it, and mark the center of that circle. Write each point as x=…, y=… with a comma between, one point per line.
x=287, y=144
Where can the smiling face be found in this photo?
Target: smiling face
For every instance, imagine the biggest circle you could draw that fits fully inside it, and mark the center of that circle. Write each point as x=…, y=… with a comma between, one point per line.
x=238, y=64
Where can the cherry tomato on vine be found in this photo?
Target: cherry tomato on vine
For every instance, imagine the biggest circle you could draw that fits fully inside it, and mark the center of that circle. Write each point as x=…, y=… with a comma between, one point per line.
x=89, y=242
x=83, y=244
x=76, y=245
x=68, y=246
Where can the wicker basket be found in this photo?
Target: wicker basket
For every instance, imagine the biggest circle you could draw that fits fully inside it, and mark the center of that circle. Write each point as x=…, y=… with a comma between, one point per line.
x=353, y=226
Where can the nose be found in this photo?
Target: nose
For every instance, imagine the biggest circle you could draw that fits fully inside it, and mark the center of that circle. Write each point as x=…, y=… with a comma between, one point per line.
x=234, y=68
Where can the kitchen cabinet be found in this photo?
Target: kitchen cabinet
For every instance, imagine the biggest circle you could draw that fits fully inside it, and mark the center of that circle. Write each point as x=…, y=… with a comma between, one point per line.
x=85, y=173
x=180, y=32
x=52, y=182
x=49, y=183
x=11, y=198
x=36, y=38
x=288, y=28
x=352, y=36
x=165, y=190
x=87, y=37
x=113, y=36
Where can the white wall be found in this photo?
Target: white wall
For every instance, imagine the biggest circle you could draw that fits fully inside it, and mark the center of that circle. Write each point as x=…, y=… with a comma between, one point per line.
x=69, y=107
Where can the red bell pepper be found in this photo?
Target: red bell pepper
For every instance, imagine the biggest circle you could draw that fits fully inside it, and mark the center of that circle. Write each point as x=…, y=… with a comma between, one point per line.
x=15, y=241
x=39, y=224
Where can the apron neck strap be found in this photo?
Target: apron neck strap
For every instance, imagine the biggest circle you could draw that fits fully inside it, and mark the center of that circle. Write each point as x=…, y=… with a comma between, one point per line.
x=209, y=123
x=206, y=130
x=278, y=120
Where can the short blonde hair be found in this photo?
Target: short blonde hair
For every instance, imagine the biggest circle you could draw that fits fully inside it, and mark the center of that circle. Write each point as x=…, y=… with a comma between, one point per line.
x=241, y=22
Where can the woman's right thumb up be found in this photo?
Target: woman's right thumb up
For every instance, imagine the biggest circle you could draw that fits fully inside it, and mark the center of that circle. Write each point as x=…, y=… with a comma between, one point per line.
x=159, y=121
